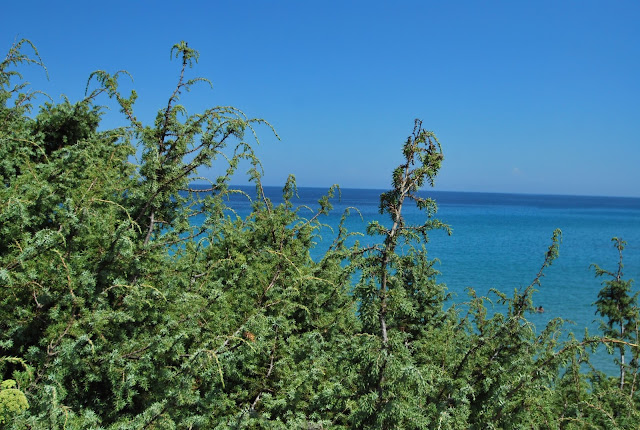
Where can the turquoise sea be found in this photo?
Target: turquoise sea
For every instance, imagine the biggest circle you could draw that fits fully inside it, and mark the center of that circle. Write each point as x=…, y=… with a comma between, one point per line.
x=499, y=241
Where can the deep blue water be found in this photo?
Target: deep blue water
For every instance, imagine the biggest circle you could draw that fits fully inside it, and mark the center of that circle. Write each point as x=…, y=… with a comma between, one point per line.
x=499, y=241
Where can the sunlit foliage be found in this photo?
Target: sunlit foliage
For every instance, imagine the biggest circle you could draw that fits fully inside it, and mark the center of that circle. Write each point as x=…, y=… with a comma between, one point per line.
x=117, y=310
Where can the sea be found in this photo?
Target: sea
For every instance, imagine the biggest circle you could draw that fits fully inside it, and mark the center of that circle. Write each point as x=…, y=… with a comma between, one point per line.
x=499, y=241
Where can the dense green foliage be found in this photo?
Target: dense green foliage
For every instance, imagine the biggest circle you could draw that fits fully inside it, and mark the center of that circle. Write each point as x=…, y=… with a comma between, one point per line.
x=12, y=401
x=616, y=303
x=117, y=311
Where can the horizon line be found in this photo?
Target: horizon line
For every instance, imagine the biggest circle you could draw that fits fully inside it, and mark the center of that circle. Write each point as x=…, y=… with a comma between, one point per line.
x=439, y=191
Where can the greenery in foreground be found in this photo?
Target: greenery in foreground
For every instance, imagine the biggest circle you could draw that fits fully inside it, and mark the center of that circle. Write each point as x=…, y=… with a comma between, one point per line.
x=117, y=312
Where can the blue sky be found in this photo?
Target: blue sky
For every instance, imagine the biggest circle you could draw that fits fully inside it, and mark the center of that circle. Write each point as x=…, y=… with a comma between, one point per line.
x=531, y=97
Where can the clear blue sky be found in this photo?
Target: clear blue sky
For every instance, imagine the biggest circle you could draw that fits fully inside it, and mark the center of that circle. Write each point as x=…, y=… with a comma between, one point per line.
x=531, y=97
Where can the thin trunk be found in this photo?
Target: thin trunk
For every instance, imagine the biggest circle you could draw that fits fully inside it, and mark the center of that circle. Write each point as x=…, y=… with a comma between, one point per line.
x=635, y=367
x=622, y=372
x=150, y=230
x=383, y=304
x=390, y=246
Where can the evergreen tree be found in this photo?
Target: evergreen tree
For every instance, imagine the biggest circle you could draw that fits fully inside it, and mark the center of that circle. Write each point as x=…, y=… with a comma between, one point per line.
x=620, y=308
x=131, y=315
x=400, y=303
